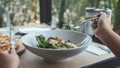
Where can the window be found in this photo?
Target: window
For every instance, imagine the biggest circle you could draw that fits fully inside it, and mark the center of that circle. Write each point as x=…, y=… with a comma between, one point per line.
x=72, y=11
x=22, y=12
x=55, y=12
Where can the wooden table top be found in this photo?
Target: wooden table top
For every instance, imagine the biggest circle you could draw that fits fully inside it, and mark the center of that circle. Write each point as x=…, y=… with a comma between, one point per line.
x=30, y=60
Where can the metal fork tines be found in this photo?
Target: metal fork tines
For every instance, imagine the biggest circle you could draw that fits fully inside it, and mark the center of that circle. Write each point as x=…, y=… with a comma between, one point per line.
x=8, y=23
x=88, y=20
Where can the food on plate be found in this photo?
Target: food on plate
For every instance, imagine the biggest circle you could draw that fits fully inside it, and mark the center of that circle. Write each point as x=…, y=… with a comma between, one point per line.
x=54, y=43
x=5, y=42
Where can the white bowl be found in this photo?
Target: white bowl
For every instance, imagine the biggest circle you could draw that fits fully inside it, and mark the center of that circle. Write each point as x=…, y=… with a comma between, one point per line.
x=57, y=55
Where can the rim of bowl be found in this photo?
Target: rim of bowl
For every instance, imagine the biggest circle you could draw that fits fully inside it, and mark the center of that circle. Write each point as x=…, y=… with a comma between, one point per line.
x=56, y=49
x=83, y=43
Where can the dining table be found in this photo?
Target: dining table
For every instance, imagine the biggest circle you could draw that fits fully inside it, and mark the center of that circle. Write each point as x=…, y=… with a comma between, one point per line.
x=30, y=60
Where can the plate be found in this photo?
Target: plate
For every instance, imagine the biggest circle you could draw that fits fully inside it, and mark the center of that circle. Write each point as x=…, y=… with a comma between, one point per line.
x=31, y=29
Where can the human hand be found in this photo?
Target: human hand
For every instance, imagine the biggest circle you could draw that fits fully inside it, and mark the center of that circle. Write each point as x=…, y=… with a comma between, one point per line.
x=101, y=25
x=9, y=59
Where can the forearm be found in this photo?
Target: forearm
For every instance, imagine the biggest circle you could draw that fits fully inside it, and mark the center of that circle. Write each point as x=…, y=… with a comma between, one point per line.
x=112, y=40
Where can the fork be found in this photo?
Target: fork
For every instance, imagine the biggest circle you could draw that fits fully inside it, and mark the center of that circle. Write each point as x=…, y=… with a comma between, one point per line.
x=8, y=23
x=91, y=19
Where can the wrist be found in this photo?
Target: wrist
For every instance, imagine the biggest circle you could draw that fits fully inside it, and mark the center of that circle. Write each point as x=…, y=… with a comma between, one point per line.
x=103, y=32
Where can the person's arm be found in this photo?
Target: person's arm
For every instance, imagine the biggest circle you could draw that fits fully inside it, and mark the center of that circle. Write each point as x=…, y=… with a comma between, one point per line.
x=111, y=40
x=103, y=31
x=9, y=60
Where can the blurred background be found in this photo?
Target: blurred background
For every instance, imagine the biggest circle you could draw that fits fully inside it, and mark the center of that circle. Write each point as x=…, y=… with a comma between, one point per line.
x=56, y=12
